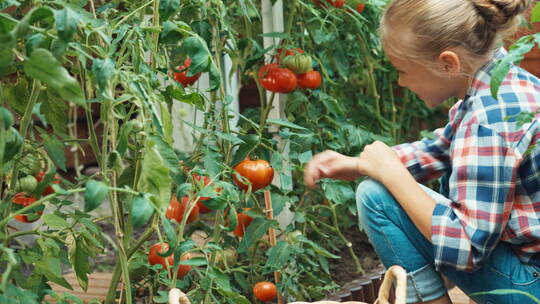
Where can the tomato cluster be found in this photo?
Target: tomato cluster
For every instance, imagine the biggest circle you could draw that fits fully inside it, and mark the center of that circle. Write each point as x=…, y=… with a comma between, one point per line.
x=26, y=197
x=292, y=69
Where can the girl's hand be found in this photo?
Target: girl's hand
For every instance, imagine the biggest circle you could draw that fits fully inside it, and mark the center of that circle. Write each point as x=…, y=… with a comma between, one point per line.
x=330, y=164
x=380, y=162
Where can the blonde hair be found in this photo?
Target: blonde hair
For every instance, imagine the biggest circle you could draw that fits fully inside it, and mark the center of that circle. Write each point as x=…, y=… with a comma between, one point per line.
x=472, y=28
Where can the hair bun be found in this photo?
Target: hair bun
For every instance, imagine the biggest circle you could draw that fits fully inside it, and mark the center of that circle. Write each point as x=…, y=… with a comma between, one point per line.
x=500, y=12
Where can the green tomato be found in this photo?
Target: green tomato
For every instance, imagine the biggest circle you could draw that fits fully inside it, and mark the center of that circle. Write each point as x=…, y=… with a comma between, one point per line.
x=298, y=63
x=28, y=184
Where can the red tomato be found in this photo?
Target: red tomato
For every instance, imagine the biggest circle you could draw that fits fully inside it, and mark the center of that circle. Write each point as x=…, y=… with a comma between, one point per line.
x=48, y=190
x=276, y=79
x=258, y=172
x=25, y=200
x=310, y=80
x=360, y=7
x=182, y=77
x=265, y=291
x=154, y=258
x=336, y=3
x=176, y=210
x=290, y=52
x=202, y=206
x=244, y=221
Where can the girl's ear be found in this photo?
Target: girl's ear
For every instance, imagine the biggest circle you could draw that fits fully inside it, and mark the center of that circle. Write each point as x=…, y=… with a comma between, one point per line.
x=449, y=62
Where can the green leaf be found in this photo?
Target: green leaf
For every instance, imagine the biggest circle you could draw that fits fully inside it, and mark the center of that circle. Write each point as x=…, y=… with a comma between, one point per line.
x=94, y=195
x=167, y=154
x=7, y=42
x=35, y=15
x=141, y=210
x=79, y=259
x=54, y=108
x=67, y=22
x=196, y=261
x=167, y=8
x=55, y=150
x=515, y=55
x=215, y=78
x=337, y=191
x=50, y=264
x=317, y=248
x=255, y=231
x=42, y=65
x=155, y=177
x=234, y=297
x=284, y=123
x=196, y=49
x=220, y=279
x=251, y=141
x=535, y=13
x=103, y=71
x=55, y=221
x=278, y=256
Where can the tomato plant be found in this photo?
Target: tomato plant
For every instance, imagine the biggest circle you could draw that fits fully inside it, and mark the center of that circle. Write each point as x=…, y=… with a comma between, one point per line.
x=310, y=80
x=265, y=291
x=258, y=172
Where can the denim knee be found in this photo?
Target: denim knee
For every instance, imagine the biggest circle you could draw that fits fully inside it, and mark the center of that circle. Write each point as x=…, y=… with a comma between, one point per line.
x=368, y=194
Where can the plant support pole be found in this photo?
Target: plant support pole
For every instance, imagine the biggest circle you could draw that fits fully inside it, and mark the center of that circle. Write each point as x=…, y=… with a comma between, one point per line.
x=272, y=233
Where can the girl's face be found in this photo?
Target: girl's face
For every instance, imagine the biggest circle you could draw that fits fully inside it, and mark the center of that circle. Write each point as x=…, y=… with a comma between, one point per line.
x=433, y=88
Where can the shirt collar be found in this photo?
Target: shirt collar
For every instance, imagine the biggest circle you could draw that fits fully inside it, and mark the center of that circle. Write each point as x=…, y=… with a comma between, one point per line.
x=482, y=77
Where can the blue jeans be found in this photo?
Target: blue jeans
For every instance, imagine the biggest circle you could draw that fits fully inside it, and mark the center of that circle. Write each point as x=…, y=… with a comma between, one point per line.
x=397, y=241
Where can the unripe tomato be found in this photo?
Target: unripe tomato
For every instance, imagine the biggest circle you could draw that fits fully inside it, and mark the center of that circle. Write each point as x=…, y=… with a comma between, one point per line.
x=154, y=258
x=299, y=63
x=310, y=80
x=265, y=291
x=176, y=210
x=282, y=53
x=25, y=200
x=276, y=79
x=27, y=184
x=258, y=172
x=182, y=77
x=48, y=190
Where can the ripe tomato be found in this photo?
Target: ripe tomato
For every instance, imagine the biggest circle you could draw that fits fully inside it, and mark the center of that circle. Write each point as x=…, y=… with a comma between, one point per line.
x=176, y=210
x=182, y=77
x=265, y=291
x=202, y=206
x=360, y=7
x=244, y=221
x=154, y=258
x=48, y=190
x=25, y=200
x=310, y=80
x=258, y=172
x=281, y=55
x=276, y=79
x=337, y=3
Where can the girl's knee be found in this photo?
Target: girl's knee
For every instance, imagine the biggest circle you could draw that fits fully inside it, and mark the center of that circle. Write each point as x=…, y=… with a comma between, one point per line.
x=370, y=194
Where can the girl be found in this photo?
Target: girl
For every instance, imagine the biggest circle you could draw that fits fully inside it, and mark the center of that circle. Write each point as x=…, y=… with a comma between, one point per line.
x=483, y=230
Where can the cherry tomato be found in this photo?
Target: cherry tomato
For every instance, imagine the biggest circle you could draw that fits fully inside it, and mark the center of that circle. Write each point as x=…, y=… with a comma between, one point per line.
x=360, y=7
x=258, y=172
x=154, y=258
x=182, y=77
x=25, y=200
x=276, y=79
x=176, y=210
x=48, y=190
x=310, y=80
x=265, y=291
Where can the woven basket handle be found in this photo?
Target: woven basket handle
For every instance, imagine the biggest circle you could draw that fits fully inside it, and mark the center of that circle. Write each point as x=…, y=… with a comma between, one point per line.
x=176, y=296
x=398, y=274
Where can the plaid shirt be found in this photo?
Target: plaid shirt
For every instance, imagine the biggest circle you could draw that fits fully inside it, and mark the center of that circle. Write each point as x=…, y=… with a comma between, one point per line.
x=492, y=172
